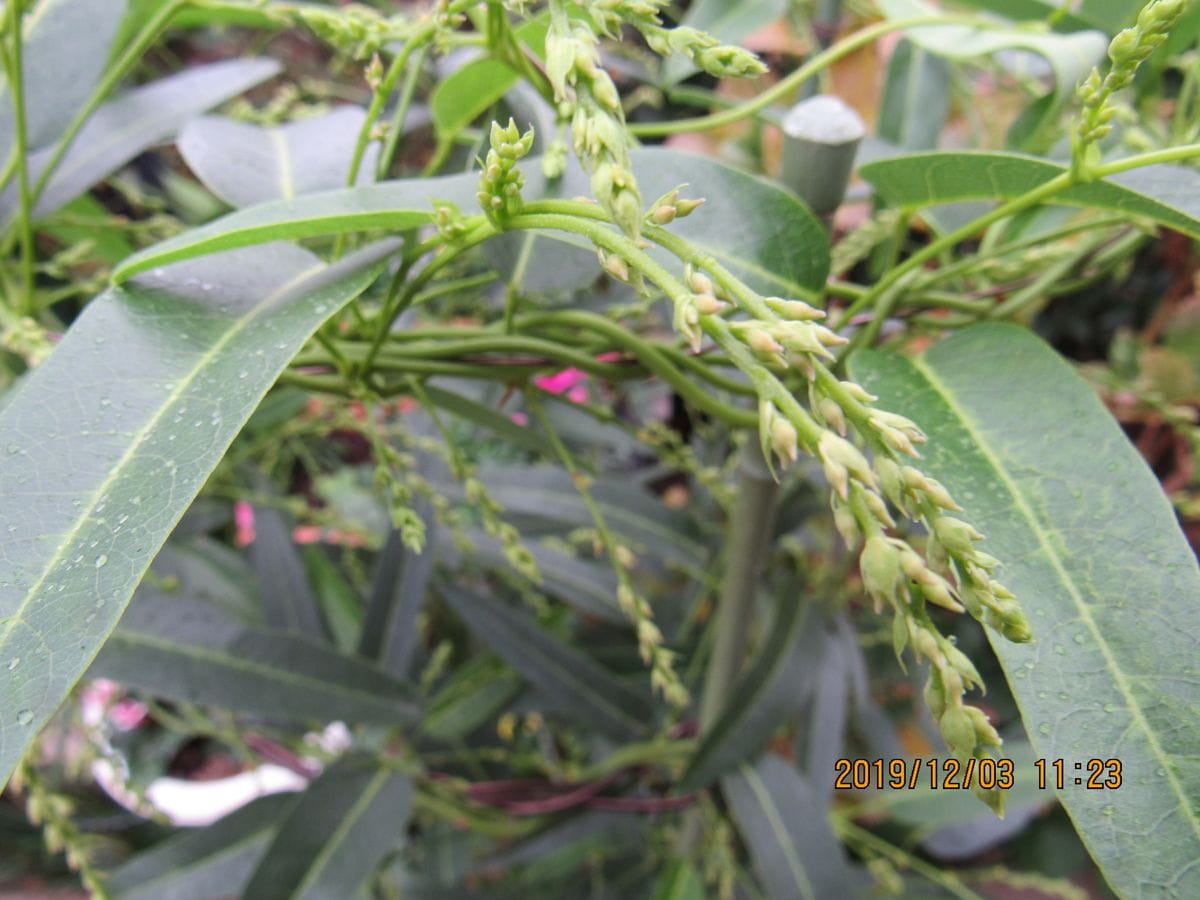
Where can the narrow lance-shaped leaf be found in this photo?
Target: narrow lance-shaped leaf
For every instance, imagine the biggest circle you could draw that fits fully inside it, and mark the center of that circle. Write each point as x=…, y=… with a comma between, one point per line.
x=785, y=826
x=193, y=653
x=1091, y=547
x=125, y=126
x=573, y=683
x=108, y=440
x=776, y=685
x=1170, y=195
x=202, y=863
x=762, y=232
x=337, y=834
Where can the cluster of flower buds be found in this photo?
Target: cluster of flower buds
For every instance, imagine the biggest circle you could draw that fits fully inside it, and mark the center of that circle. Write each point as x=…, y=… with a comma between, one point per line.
x=709, y=54
x=838, y=426
x=658, y=658
x=588, y=99
x=500, y=182
x=356, y=30
x=1128, y=50
x=670, y=206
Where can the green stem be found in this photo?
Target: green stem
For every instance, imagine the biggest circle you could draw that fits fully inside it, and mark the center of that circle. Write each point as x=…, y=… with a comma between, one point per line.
x=1040, y=194
x=791, y=82
x=388, y=155
x=14, y=62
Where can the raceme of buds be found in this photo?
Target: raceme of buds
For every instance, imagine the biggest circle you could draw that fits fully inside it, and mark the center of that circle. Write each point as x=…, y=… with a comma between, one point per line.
x=500, y=181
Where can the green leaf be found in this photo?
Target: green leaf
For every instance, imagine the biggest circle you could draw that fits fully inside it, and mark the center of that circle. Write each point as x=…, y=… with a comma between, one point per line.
x=778, y=681
x=108, y=440
x=191, y=652
x=287, y=600
x=390, y=631
x=573, y=683
x=58, y=83
x=1070, y=56
x=474, y=694
x=587, y=585
x=760, y=231
x=916, y=98
x=86, y=219
x=394, y=205
x=246, y=164
x=466, y=94
x=1092, y=549
x=1170, y=195
x=127, y=125
x=680, y=881
x=730, y=21
x=337, y=834
x=340, y=604
x=785, y=826
x=198, y=864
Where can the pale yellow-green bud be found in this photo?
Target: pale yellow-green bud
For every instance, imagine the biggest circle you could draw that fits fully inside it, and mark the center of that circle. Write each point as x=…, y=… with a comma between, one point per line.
x=962, y=664
x=937, y=591
x=832, y=413
x=926, y=645
x=985, y=734
x=795, y=310
x=935, y=699
x=858, y=392
x=889, y=479
x=709, y=305
x=845, y=523
x=686, y=207
x=1123, y=46
x=841, y=451
x=958, y=730
x=879, y=565
x=784, y=439
x=616, y=267
x=956, y=535
x=878, y=508
x=758, y=340
x=698, y=282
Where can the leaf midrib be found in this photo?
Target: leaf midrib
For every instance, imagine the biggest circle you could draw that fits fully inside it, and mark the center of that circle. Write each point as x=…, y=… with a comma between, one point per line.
x=183, y=385
x=1084, y=612
x=767, y=804
x=241, y=664
x=353, y=814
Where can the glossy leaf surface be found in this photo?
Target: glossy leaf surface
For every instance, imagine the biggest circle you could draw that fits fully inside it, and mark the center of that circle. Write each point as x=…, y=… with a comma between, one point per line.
x=1170, y=195
x=107, y=442
x=1091, y=548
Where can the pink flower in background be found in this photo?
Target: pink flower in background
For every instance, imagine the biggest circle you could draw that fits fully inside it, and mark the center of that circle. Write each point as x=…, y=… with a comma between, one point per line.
x=243, y=521
x=571, y=381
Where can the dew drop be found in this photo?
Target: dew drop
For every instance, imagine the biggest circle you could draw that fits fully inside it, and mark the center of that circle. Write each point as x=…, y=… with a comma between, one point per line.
x=24, y=717
x=243, y=374
x=1060, y=649
x=1079, y=639
x=105, y=401
x=1109, y=811
x=13, y=448
x=1044, y=728
x=14, y=662
x=101, y=561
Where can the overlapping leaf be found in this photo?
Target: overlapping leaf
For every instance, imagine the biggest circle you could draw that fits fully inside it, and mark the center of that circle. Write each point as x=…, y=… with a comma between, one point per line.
x=1091, y=547
x=106, y=443
x=1169, y=195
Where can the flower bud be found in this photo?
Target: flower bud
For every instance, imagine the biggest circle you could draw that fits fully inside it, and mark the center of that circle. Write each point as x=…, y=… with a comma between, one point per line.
x=832, y=413
x=878, y=508
x=879, y=565
x=958, y=730
x=985, y=734
x=1123, y=46
x=709, y=305
x=935, y=698
x=784, y=439
x=841, y=451
x=686, y=207
x=956, y=535
x=858, y=392
x=795, y=310
x=926, y=645
x=698, y=282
